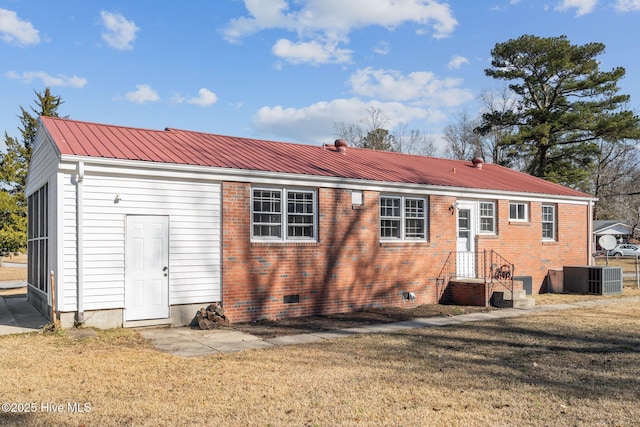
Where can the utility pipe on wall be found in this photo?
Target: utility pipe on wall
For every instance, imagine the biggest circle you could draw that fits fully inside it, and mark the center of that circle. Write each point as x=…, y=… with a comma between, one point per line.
x=79, y=244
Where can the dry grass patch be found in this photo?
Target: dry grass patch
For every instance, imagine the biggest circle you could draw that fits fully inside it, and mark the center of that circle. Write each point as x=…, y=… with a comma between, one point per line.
x=627, y=263
x=13, y=291
x=14, y=273
x=578, y=367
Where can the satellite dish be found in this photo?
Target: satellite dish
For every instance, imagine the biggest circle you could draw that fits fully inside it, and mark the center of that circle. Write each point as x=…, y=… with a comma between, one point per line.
x=607, y=242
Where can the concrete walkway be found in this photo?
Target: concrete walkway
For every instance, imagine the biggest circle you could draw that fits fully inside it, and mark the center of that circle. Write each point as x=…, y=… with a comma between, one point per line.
x=187, y=342
x=13, y=284
x=17, y=316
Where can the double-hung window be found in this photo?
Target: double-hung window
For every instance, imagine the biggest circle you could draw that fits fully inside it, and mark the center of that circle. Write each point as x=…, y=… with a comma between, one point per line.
x=518, y=211
x=548, y=222
x=283, y=214
x=487, y=217
x=403, y=218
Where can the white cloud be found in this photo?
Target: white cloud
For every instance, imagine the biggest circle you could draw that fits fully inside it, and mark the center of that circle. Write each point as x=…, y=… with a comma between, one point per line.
x=583, y=7
x=421, y=86
x=60, y=80
x=418, y=97
x=382, y=48
x=205, y=98
x=316, y=123
x=119, y=33
x=264, y=14
x=142, y=94
x=627, y=5
x=323, y=25
x=457, y=62
x=14, y=30
x=312, y=52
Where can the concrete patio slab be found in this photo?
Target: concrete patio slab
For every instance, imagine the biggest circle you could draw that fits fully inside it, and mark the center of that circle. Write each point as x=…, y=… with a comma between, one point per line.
x=17, y=316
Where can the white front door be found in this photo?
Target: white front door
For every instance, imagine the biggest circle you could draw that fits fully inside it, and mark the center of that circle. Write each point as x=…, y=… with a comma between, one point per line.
x=147, y=268
x=465, y=260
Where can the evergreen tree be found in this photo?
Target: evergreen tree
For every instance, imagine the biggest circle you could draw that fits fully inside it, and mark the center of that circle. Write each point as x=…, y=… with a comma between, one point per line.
x=565, y=105
x=14, y=166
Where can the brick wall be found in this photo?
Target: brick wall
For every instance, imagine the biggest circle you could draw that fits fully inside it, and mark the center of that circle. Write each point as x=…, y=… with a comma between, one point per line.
x=468, y=293
x=349, y=268
x=521, y=242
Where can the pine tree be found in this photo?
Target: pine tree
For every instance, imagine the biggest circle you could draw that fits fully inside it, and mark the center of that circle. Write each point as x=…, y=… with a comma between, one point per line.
x=564, y=105
x=14, y=166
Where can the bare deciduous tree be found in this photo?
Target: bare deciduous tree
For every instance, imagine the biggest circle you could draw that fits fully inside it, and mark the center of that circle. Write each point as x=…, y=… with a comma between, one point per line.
x=493, y=141
x=616, y=174
x=372, y=132
x=413, y=141
x=462, y=142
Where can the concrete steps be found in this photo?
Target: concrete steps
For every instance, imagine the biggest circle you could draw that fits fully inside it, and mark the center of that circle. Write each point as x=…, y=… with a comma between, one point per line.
x=519, y=299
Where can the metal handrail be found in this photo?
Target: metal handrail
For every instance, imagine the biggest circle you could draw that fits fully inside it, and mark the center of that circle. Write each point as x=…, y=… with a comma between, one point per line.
x=445, y=275
x=501, y=271
x=488, y=265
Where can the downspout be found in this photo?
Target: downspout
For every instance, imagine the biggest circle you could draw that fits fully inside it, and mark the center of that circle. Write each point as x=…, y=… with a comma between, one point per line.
x=79, y=244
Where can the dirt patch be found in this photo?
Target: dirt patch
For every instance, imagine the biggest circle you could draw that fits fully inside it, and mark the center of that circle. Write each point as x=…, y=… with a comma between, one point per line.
x=304, y=325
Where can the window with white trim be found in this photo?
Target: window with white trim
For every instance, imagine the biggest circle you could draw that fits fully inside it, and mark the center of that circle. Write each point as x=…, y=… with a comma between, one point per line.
x=487, y=217
x=38, y=239
x=518, y=211
x=283, y=214
x=403, y=218
x=548, y=222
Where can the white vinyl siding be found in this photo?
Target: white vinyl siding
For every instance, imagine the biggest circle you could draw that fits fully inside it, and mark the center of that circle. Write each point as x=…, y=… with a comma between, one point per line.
x=194, y=210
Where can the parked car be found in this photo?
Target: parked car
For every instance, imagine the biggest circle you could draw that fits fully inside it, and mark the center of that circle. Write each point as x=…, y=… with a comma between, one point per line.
x=625, y=250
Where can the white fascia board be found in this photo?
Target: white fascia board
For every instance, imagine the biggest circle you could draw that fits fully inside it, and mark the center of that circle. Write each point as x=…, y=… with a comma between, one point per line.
x=217, y=174
x=618, y=228
x=42, y=135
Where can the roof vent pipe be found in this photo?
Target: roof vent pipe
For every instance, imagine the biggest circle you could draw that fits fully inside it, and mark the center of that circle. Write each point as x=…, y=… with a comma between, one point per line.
x=341, y=145
x=477, y=162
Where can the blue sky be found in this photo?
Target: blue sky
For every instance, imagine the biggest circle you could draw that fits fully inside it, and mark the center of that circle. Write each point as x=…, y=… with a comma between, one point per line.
x=285, y=70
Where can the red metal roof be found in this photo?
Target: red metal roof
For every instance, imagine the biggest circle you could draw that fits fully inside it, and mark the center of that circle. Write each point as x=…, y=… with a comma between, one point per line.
x=202, y=149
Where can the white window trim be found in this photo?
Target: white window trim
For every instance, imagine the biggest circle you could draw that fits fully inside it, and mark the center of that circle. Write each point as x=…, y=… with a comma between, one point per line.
x=526, y=212
x=284, y=215
x=314, y=215
x=493, y=217
x=403, y=219
x=554, y=222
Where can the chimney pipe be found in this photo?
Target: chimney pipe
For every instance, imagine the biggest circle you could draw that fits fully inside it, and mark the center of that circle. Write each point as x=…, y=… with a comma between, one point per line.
x=477, y=162
x=341, y=146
